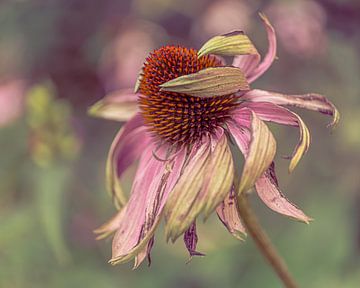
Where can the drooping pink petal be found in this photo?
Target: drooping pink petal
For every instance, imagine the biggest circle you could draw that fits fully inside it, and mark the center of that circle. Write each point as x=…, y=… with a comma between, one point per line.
x=153, y=182
x=114, y=223
x=272, y=113
x=268, y=190
x=268, y=111
x=271, y=53
x=205, y=182
x=229, y=216
x=261, y=149
x=191, y=239
x=120, y=105
x=127, y=146
x=181, y=204
x=130, y=148
x=266, y=186
x=314, y=102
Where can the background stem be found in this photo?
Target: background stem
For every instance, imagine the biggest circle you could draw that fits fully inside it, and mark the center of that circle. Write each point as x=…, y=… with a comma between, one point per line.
x=263, y=242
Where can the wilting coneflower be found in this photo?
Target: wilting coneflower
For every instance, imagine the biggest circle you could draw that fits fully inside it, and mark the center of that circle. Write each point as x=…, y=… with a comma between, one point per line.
x=187, y=109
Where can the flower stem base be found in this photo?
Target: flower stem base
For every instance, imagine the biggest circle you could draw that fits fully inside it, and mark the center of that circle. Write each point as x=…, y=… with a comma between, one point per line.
x=263, y=242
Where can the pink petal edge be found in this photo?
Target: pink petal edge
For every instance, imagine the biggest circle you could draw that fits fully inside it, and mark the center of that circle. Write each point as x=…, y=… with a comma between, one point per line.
x=126, y=147
x=268, y=191
x=310, y=101
x=270, y=112
x=266, y=186
x=153, y=182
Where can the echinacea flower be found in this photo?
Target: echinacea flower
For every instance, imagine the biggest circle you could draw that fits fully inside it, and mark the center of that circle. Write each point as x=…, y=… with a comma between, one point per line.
x=187, y=109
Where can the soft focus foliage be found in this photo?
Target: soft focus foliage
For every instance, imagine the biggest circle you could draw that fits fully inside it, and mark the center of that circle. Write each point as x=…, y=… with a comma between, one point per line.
x=57, y=57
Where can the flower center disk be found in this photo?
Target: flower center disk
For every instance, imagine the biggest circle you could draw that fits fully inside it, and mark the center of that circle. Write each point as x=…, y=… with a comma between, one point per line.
x=176, y=117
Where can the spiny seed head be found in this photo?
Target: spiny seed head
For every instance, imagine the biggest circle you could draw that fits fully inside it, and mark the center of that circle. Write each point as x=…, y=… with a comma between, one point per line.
x=175, y=117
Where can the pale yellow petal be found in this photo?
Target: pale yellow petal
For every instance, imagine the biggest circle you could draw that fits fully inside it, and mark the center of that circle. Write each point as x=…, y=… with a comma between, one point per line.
x=186, y=199
x=231, y=44
x=205, y=183
x=220, y=175
x=302, y=146
x=209, y=82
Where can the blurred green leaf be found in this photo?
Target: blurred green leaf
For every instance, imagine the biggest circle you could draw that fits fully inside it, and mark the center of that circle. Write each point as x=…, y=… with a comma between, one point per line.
x=51, y=185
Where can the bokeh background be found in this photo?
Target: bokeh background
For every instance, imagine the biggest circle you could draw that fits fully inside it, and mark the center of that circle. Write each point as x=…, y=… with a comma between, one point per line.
x=57, y=57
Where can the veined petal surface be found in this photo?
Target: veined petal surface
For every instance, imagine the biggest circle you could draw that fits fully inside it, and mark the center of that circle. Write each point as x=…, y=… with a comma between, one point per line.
x=209, y=82
x=153, y=182
x=230, y=44
x=261, y=152
x=229, y=216
x=204, y=183
x=268, y=190
x=270, y=112
x=311, y=101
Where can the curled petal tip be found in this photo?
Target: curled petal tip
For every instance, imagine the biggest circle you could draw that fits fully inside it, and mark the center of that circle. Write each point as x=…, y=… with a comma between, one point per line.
x=303, y=145
x=271, y=53
x=335, y=121
x=264, y=18
x=113, y=261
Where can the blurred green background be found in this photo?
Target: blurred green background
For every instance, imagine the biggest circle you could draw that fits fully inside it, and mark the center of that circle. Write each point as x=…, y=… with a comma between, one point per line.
x=57, y=57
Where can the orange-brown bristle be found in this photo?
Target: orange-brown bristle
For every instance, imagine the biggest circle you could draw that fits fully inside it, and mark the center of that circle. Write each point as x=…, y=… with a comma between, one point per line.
x=175, y=117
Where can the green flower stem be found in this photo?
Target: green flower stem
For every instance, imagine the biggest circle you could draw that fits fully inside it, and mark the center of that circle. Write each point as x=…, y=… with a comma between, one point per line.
x=263, y=242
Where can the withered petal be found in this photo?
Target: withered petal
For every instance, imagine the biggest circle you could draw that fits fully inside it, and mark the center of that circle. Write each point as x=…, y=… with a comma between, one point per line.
x=261, y=153
x=152, y=184
x=268, y=190
x=119, y=106
x=126, y=147
x=229, y=216
x=310, y=101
